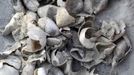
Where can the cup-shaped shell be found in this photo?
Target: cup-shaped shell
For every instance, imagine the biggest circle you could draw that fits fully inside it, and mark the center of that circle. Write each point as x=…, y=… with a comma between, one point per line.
x=86, y=39
x=85, y=25
x=58, y=58
x=48, y=26
x=11, y=66
x=8, y=70
x=63, y=18
x=53, y=41
x=47, y=11
x=32, y=5
x=104, y=48
x=121, y=51
x=36, y=40
x=74, y=6
x=81, y=55
x=14, y=61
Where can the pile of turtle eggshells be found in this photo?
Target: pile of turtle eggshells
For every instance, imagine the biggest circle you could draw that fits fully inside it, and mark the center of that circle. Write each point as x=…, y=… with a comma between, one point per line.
x=60, y=37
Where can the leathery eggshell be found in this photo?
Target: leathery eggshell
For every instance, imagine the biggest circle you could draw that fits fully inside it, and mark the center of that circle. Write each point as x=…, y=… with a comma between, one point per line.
x=63, y=18
x=48, y=26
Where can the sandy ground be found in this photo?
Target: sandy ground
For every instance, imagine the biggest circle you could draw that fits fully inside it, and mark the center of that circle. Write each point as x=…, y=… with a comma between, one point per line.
x=117, y=10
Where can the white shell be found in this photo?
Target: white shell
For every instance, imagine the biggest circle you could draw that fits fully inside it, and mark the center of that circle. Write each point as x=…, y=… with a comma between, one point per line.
x=36, y=40
x=31, y=4
x=8, y=70
x=15, y=63
x=53, y=41
x=30, y=17
x=63, y=18
x=86, y=42
x=58, y=58
x=48, y=26
x=14, y=23
x=47, y=11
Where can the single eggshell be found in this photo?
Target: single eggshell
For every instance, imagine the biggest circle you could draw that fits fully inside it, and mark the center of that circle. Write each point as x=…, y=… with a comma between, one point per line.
x=47, y=11
x=86, y=39
x=48, y=26
x=36, y=40
x=63, y=18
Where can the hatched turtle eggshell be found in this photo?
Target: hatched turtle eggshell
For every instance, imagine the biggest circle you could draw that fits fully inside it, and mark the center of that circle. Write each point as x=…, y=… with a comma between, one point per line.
x=47, y=11
x=11, y=66
x=85, y=38
x=58, y=58
x=8, y=70
x=14, y=61
x=63, y=18
x=48, y=26
x=82, y=56
x=37, y=38
x=122, y=49
x=53, y=41
x=30, y=17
